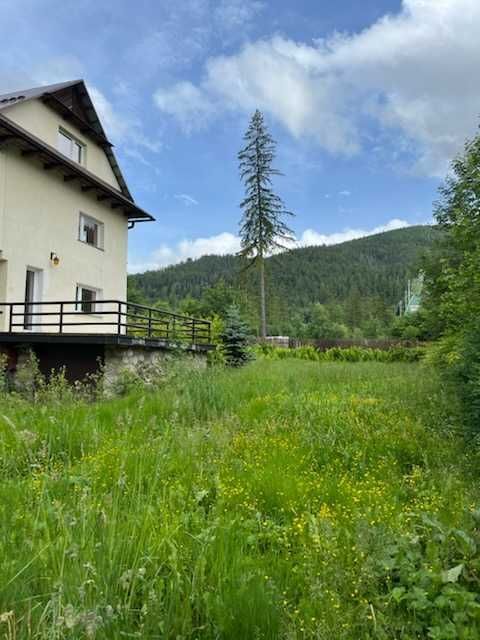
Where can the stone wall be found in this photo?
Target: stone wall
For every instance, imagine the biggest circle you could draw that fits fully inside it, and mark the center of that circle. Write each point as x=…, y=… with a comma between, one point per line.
x=145, y=362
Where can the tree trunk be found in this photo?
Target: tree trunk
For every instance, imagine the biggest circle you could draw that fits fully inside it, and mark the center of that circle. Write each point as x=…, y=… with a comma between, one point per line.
x=263, y=310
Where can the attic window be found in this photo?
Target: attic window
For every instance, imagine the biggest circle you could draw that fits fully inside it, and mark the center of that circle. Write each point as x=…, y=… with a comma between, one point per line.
x=71, y=147
x=91, y=231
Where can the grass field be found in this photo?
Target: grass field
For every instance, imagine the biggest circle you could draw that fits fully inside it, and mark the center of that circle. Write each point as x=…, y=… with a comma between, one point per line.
x=286, y=500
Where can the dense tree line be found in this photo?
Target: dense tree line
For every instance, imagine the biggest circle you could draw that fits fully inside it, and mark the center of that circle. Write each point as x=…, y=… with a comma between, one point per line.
x=451, y=311
x=344, y=290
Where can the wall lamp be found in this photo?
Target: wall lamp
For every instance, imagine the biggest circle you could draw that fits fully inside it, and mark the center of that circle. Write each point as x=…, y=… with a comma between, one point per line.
x=54, y=259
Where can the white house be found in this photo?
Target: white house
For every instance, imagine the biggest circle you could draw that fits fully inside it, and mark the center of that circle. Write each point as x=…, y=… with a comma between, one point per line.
x=65, y=211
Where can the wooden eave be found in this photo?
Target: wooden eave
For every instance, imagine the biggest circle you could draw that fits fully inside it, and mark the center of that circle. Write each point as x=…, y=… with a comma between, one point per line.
x=51, y=159
x=79, y=122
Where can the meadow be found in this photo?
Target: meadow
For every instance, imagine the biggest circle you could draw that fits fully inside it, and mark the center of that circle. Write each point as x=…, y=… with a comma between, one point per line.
x=288, y=499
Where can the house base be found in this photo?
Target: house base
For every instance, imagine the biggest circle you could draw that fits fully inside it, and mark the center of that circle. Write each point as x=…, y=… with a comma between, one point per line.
x=86, y=355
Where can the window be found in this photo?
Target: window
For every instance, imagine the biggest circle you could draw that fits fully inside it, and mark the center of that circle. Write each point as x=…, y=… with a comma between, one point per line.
x=87, y=299
x=71, y=147
x=91, y=231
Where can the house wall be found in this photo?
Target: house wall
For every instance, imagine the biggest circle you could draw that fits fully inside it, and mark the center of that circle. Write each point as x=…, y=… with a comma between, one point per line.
x=39, y=214
x=44, y=122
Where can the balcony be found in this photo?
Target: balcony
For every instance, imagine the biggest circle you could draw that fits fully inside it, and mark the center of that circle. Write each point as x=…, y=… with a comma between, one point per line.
x=102, y=322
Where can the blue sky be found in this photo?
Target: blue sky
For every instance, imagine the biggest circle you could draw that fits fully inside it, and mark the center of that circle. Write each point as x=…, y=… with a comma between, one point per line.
x=368, y=102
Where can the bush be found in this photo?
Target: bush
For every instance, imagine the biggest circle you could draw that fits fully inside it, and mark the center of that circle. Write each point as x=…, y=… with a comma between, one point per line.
x=235, y=339
x=458, y=358
x=343, y=354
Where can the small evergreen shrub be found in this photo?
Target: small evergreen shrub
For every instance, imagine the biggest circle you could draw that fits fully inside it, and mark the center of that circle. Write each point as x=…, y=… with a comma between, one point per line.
x=235, y=339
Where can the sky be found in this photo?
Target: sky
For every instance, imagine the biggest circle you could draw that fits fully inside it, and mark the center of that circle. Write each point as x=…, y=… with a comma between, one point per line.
x=368, y=101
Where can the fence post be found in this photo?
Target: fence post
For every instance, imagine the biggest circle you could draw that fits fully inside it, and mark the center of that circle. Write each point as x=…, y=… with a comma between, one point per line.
x=149, y=322
x=194, y=322
x=10, y=320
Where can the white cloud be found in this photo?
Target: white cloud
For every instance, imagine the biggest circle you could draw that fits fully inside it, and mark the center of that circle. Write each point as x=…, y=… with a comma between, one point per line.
x=411, y=74
x=228, y=243
x=187, y=200
x=187, y=103
x=311, y=237
x=345, y=193
x=124, y=128
x=220, y=244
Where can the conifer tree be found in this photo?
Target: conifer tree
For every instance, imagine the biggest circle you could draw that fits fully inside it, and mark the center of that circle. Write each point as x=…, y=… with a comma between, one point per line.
x=235, y=338
x=262, y=228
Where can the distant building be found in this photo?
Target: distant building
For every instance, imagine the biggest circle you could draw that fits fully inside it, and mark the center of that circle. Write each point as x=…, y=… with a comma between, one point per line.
x=413, y=296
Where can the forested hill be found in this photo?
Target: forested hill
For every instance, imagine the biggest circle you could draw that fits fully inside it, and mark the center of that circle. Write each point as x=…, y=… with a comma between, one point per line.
x=376, y=266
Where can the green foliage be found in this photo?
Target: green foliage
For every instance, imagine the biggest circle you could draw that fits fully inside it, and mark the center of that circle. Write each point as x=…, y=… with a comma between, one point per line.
x=234, y=339
x=343, y=354
x=453, y=283
x=374, y=268
x=262, y=228
x=433, y=576
x=280, y=500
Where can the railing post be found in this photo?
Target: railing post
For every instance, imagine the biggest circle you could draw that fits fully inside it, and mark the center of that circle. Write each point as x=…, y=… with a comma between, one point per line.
x=119, y=321
x=60, y=328
x=10, y=320
x=209, y=332
x=174, y=328
x=150, y=323
x=194, y=322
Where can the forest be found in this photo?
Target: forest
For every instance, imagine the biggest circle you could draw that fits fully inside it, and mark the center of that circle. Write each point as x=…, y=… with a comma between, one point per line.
x=341, y=291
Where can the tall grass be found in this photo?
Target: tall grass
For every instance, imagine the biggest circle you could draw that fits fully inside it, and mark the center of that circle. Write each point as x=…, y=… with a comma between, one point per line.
x=285, y=500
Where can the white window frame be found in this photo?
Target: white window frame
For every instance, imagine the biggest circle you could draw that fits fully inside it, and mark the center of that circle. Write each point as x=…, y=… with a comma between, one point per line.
x=73, y=142
x=85, y=218
x=96, y=300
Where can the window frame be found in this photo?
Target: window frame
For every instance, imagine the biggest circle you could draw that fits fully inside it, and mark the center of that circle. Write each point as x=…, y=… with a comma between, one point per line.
x=84, y=217
x=74, y=141
x=96, y=301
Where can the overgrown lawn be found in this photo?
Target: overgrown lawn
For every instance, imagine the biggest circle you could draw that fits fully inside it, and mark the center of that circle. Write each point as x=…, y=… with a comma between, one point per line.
x=288, y=499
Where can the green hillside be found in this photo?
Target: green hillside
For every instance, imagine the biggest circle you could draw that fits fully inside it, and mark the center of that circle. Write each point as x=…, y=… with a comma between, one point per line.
x=371, y=268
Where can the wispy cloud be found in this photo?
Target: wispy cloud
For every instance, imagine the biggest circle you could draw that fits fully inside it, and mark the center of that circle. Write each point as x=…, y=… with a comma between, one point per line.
x=228, y=243
x=187, y=200
x=187, y=103
x=345, y=193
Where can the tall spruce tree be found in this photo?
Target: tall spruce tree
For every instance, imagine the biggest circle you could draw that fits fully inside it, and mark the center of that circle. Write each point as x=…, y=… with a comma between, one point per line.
x=262, y=228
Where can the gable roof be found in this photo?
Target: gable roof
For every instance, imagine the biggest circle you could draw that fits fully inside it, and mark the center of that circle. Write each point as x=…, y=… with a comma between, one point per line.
x=52, y=159
x=73, y=102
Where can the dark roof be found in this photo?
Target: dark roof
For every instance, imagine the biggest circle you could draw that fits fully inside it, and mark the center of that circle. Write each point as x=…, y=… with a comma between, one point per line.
x=73, y=102
x=52, y=159
x=8, y=99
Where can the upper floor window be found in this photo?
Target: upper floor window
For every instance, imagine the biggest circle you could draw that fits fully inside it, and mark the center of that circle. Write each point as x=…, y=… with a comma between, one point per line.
x=91, y=231
x=71, y=147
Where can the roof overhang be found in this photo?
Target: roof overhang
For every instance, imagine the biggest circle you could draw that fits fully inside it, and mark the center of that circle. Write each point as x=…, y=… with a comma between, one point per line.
x=51, y=159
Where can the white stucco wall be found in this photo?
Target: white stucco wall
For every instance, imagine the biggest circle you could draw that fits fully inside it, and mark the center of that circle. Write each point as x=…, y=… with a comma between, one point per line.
x=44, y=122
x=39, y=214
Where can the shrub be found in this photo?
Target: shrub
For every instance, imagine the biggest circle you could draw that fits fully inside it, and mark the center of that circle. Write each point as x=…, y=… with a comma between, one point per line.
x=235, y=339
x=458, y=358
x=343, y=354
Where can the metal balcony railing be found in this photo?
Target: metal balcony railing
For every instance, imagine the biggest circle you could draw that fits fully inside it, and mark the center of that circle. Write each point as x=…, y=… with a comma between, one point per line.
x=108, y=316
